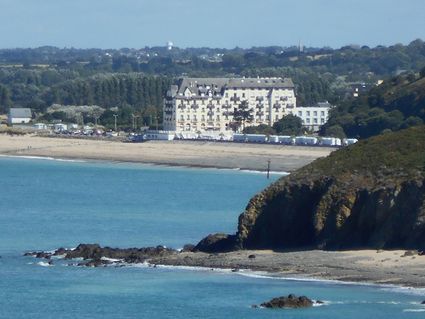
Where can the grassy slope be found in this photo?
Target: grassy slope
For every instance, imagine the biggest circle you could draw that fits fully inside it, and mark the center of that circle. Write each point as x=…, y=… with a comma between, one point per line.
x=398, y=151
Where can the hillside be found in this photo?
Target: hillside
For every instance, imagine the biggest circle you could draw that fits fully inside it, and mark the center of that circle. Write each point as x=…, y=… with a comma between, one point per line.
x=369, y=195
x=395, y=104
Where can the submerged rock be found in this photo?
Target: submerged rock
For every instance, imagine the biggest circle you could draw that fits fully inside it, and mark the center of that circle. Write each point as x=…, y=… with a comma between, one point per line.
x=291, y=301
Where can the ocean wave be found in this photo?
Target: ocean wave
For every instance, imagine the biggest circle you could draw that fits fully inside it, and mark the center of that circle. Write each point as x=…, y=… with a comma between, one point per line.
x=44, y=264
x=414, y=310
x=47, y=158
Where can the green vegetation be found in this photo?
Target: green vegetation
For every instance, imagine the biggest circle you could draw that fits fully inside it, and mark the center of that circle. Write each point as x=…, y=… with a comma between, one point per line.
x=395, y=104
x=242, y=115
x=135, y=80
x=402, y=151
x=288, y=125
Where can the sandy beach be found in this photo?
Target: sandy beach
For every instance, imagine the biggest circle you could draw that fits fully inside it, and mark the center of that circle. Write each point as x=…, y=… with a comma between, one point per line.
x=395, y=267
x=182, y=153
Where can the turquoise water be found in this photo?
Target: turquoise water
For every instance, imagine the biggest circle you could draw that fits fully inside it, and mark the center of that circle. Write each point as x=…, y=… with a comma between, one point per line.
x=46, y=204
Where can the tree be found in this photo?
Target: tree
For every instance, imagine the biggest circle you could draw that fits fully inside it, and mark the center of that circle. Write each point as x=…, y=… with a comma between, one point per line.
x=289, y=125
x=260, y=129
x=242, y=114
x=422, y=72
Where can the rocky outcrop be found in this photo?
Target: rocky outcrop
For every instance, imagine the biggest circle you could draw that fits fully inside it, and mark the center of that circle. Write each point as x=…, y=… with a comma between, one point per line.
x=291, y=301
x=368, y=195
x=323, y=213
x=94, y=255
x=216, y=243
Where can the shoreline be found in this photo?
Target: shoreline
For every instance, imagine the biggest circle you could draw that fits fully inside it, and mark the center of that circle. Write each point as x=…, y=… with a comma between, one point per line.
x=404, y=269
x=420, y=291
x=197, y=154
x=150, y=164
x=390, y=268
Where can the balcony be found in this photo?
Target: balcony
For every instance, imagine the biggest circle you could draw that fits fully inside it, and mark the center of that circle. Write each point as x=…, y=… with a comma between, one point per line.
x=259, y=106
x=210, y=106
x=235, y=99
x=226, y=106
x=182, y=107
x=290, y=106
x=194, y=106
x=277, y=106
x=210, y=113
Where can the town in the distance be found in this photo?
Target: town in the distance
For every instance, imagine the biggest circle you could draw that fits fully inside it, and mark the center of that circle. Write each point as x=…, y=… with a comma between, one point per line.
x=293, y=96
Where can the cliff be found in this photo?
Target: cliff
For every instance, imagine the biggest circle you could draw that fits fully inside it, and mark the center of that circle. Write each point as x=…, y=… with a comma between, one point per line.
x=368, y=195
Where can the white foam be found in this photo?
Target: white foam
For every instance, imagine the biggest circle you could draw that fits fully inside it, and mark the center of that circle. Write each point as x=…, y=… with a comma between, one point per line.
x=44, y=264
x=414, y=310
x=48, y=158
x=110, y=259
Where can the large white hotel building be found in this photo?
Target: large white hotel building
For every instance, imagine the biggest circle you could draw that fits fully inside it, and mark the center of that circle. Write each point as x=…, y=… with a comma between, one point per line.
x=207, y=104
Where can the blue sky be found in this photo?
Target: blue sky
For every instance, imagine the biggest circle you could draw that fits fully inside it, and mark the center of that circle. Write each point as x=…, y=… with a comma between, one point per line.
x=213, y=23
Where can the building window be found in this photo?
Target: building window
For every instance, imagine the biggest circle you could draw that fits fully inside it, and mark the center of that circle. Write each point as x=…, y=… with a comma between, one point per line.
x=308, y=113
x=300, y=113
x=322, y=121
x=315, y=120
x=307, y=121
x=243, y=95
x=182, y=117
x=203, y=117
x=226, y=95
x=218, y=117
x=322, y=113
x=315, y=113
x=188, y=117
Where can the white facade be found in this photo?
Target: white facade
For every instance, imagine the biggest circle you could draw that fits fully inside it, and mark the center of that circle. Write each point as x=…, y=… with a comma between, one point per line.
x=207, y=104
x=19, y=116
x=313, y=117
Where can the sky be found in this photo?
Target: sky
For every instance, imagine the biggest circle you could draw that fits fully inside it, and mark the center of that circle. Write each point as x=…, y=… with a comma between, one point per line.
x=213, y=23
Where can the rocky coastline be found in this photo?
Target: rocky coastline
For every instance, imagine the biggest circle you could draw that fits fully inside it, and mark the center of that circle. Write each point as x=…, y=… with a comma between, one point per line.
x=395, y=267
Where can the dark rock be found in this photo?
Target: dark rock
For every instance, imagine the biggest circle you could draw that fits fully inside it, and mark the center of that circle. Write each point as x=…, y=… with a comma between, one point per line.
x=43, y=254
x=319, y=302
x=188, y=248
x=423, y=302
x=254, y=306
x=60, y=251
x=409, y=253
x=85, y=251
x=251, y=256
x=291, y=301
x=216, y=243
x=421, y=253
x=96, y=263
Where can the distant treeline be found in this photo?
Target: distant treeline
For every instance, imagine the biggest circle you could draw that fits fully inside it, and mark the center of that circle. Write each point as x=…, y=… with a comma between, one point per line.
x=137, y=79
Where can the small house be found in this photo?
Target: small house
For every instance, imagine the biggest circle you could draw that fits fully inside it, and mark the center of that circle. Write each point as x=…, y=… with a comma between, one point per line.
x=19, y=116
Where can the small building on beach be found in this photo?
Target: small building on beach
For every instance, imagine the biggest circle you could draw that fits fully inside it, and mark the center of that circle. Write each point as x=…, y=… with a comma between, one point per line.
x=19, y=115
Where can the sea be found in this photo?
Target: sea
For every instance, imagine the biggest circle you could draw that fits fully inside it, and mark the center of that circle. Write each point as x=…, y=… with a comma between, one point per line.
x=48, y=203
